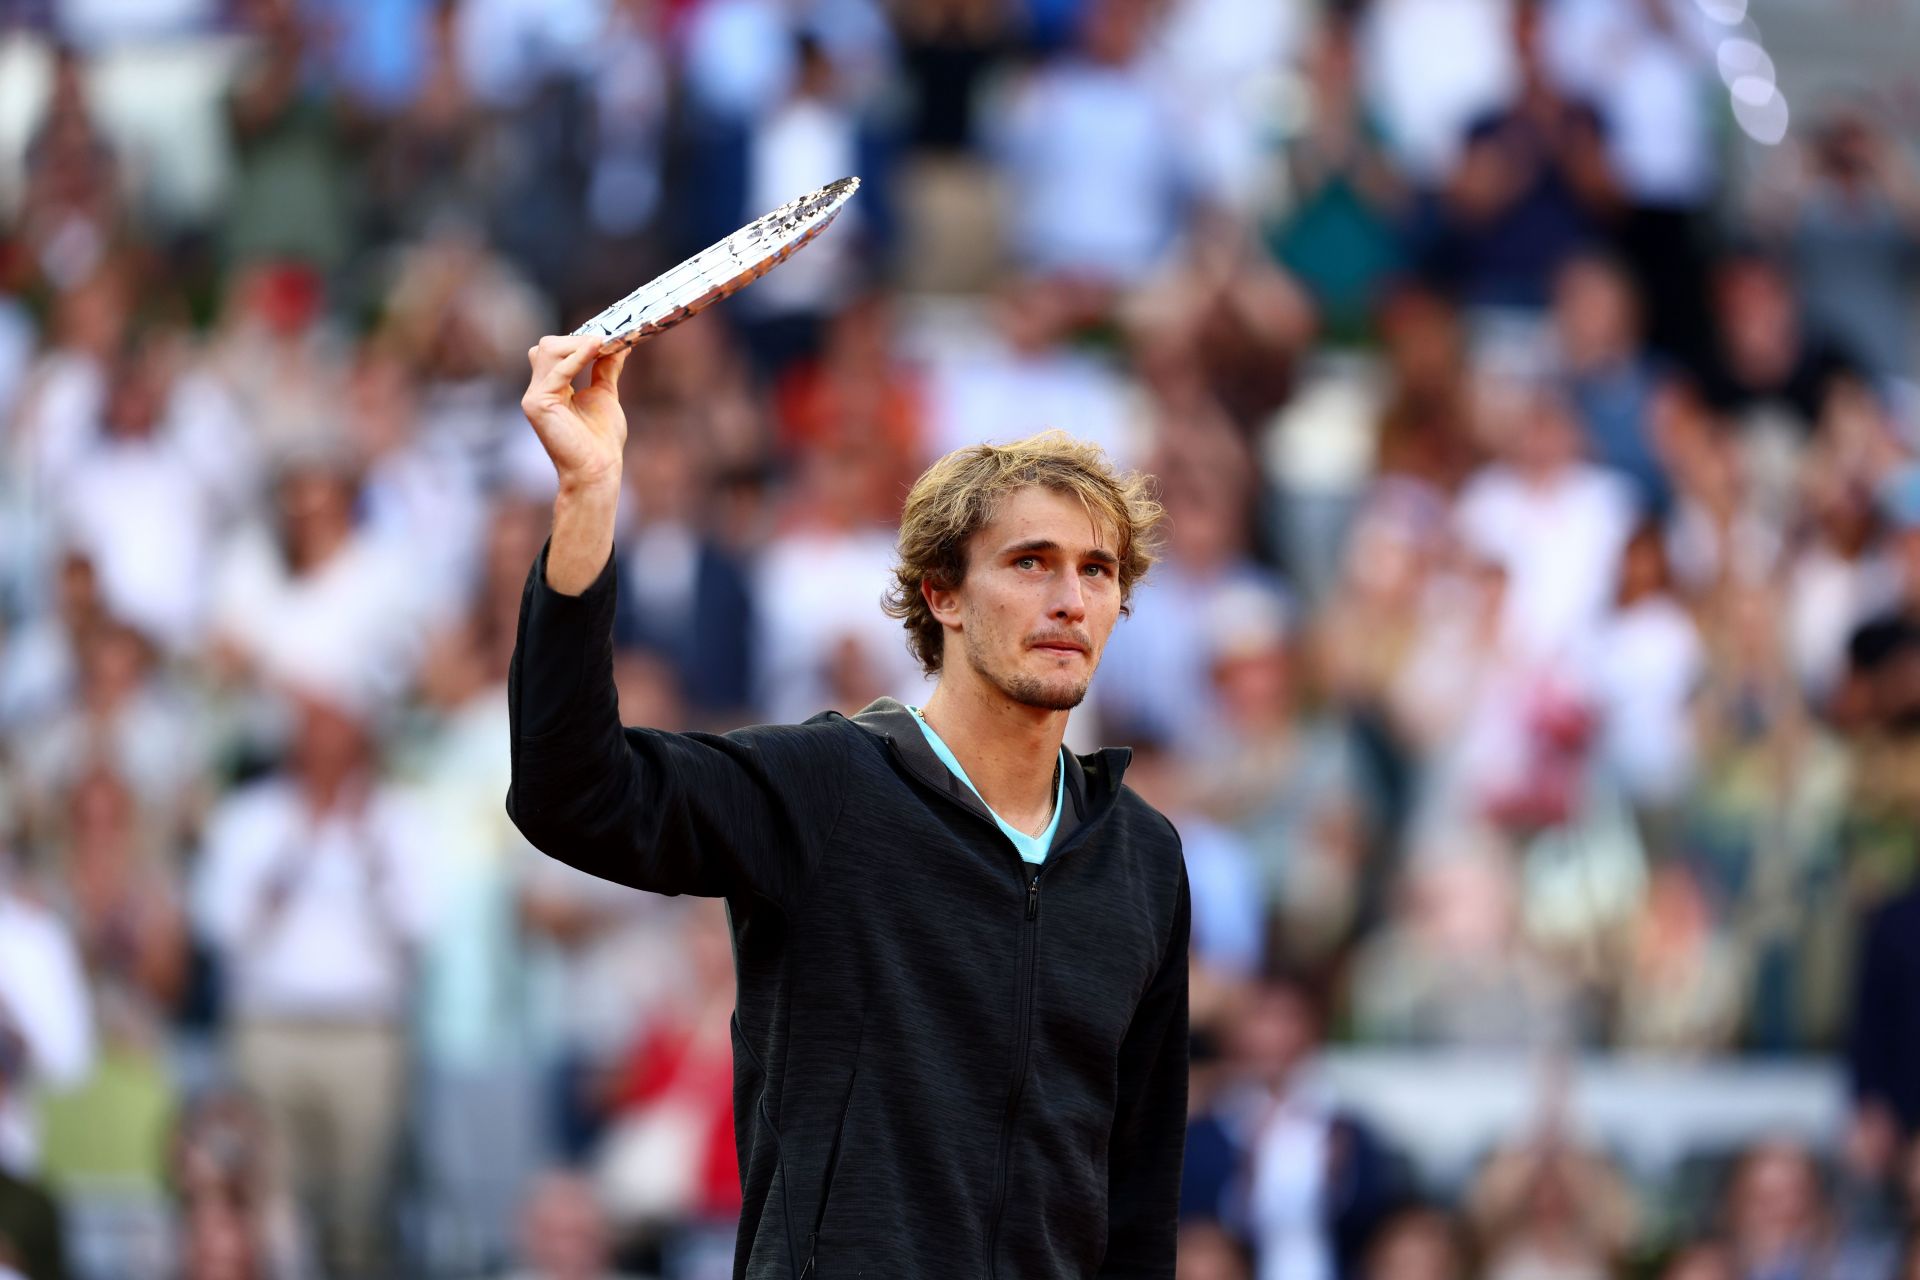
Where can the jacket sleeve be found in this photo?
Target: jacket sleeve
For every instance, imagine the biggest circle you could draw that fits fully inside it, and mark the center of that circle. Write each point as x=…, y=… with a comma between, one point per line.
x=711, y=814
x=1149, y=1138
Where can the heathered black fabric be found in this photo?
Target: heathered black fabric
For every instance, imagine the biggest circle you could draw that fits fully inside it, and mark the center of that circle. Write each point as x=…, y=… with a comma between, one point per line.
x=945, y=1065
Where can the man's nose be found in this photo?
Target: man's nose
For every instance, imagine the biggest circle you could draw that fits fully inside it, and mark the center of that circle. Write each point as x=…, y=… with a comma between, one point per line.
x=1069, y=600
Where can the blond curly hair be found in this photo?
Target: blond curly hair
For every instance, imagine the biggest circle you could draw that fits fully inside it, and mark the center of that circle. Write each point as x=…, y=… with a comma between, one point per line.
x=960, y=494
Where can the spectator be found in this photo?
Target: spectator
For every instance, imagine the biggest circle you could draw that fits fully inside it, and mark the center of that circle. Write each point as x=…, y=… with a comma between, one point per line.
x=1851, y=226
x=1282, y=779
x=812, y=137
x=126, y=714
x=1026, y=377
x=102, y=1136
x=1207, y=1251
x=684, y=598
x=563, y=1233
x=1533, y=185
x=1158, y=661
x=293, y=196
x=1685, y=979
x=1306, y=1180
x=72, y=210
x=238, y=1220
x=1612, y=382
x=1545, y=1208
x=1646, y=664
x=1720, y=533
x=1451, y=968
x=1645, y=65
x=1418, y=1243
x=670, y=1158
x=425, y=164
x=601, y=957
x=1426, y=430
x=420, y=494
x=46, y=1021
x=1229, y=908
x=477, y=1018
x=1341, y=235
x=1555, y=524
x=277, y=352
x=315, y=598
x=1764, y=821
x=818, y=634
x=39, y=671
x=1767, y=367
x=1212, y=56
x=1778, y=1221
x=952, y=52
x=314, y=889
x=1838, y=577
x=1092, y=156
x=145, y=492
x=1428, y=67
x=1220, y=329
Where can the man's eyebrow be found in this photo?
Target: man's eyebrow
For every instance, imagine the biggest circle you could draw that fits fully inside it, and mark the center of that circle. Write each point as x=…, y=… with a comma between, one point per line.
x=1034, y=546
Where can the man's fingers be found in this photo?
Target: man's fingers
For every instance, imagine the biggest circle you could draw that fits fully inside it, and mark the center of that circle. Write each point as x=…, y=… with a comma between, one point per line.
x=556, y=360
x=572, y=361
x=606, y=370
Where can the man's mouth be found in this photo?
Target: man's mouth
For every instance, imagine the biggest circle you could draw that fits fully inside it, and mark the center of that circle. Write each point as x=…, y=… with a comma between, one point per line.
x=1060, y=646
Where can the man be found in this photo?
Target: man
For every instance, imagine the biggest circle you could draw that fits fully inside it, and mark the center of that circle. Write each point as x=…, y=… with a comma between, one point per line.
x=960, y=1034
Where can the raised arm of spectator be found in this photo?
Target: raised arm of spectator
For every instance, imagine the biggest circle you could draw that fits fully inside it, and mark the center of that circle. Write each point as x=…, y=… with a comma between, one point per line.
x=674, y=813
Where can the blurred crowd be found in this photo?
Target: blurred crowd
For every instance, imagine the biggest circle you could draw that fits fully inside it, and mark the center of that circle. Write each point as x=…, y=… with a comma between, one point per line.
x=1534, y=664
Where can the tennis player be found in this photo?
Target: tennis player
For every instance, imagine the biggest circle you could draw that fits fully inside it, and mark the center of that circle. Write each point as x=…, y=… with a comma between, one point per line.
x=960, y=1042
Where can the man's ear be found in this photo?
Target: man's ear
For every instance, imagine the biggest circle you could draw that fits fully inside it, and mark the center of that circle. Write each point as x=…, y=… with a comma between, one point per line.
x=943, y=601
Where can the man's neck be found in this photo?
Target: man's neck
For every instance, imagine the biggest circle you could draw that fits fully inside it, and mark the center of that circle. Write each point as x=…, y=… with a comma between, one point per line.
x=1008, y=750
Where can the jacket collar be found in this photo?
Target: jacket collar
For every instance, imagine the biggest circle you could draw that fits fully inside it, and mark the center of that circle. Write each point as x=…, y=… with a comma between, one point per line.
x=1093, y=781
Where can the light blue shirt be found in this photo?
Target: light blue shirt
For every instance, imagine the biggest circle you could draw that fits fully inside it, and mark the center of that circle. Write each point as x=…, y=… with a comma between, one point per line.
x=1031, y=848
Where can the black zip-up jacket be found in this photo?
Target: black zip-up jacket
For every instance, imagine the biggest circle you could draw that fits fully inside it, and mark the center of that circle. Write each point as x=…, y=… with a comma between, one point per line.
x=947, y=1063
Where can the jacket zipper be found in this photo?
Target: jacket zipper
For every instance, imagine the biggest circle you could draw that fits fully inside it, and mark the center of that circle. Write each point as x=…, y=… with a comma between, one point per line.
x=1030, y=960
x=1023, y=1017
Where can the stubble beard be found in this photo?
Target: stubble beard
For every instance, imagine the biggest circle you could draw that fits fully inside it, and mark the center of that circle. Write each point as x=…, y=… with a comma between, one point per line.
x=1028, y=690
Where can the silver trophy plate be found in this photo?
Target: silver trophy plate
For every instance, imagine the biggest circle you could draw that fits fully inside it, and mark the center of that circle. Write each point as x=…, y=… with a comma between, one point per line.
x=718, y=271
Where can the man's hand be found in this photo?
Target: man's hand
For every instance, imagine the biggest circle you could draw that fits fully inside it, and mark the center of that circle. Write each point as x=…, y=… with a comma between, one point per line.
x=583, y=431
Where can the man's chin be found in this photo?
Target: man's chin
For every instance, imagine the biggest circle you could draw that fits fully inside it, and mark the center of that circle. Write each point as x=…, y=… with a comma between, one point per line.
x=1046, y=695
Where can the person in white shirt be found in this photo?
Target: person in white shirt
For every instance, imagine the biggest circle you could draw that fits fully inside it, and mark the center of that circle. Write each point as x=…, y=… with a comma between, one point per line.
x=1023, y=377
x=147, y=476
x=318, y=598
x=1097, y=170
x=1553, y=522
x=1647, y=662
x=314, y=891
x=46, y=1018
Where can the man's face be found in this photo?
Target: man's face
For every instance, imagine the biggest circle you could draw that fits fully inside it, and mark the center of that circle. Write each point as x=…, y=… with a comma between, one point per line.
x=1040, y=598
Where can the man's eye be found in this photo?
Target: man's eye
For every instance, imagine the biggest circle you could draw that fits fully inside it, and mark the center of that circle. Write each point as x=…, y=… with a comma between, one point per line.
x=1025, y=561
x=1097, y=570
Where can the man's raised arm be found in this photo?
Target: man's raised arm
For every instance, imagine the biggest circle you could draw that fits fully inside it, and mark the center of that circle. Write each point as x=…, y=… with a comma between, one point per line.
x=669, y=812
x=585, y=434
